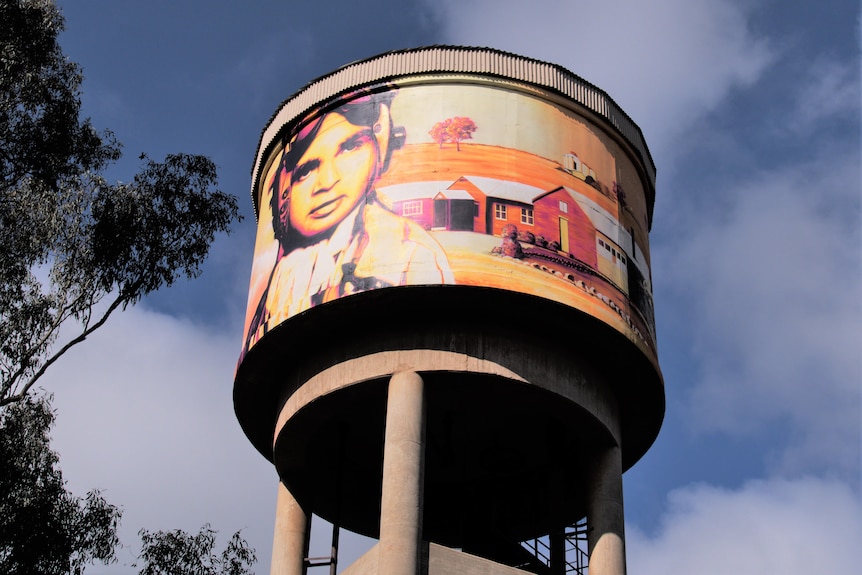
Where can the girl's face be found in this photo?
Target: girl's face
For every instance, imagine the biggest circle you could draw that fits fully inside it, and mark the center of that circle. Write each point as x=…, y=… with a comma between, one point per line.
x=332, y=176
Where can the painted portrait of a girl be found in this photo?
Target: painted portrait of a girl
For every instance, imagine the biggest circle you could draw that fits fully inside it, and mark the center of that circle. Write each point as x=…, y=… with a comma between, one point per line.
x=335, y=237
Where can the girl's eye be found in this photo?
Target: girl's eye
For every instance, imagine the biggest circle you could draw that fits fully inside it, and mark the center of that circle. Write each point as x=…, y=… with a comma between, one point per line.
x=355, y=142
x=302, y=171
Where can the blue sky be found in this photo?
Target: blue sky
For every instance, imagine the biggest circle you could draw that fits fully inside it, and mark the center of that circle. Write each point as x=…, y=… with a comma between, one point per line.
x=752, y=114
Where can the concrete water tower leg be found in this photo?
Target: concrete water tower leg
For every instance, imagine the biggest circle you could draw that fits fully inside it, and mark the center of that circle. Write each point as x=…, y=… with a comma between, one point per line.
x=606, y=533
x=403, y=473
x=290, y=543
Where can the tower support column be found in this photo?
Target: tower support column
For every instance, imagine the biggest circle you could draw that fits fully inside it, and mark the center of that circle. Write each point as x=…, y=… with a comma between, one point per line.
x=605, y=521
x=399, y=549
x=290, y=542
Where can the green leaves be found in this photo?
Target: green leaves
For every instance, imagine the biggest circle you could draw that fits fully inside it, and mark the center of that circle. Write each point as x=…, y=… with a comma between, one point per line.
x=45, y=529
x=74, y=247
x=149, y=233
x=64, y=253
x=41, y=134
x=179, y=553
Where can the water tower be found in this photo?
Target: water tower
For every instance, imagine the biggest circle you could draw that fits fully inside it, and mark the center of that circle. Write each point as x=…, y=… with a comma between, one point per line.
x=450, y=344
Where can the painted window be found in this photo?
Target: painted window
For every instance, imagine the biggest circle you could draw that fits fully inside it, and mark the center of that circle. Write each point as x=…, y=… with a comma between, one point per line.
x=527, y=216
x=411, y=208
x=564, y=207
x=500, y=211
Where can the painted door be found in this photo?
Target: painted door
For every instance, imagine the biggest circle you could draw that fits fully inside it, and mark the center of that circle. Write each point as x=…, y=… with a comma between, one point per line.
x=441, y=213
x=564, y=234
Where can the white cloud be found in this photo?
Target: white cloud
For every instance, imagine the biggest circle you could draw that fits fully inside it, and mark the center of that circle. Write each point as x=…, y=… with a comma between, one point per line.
x=766, y=270
x=832, y=89
x=770, y=271
x=768, y=277
x=776, y=526
x=665, y=62
x=145, y=412
x=828, y=89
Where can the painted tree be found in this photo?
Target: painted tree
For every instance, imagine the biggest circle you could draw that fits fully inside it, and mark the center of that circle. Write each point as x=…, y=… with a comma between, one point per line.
x=438, y=132
x=74, y=247
x=454, y=129
x=459, y=129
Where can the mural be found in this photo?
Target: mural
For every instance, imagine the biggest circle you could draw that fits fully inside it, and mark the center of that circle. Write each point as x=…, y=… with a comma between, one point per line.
x=451, y=184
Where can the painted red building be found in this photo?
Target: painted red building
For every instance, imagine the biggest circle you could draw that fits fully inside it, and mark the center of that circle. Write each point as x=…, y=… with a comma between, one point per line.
x=559, y=217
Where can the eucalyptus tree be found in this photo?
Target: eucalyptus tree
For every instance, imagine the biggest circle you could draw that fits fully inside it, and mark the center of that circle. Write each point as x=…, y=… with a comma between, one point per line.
x=74, y=247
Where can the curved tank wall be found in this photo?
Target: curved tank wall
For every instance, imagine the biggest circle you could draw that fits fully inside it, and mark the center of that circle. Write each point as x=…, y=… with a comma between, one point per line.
x=479, y=218
x=439, y=181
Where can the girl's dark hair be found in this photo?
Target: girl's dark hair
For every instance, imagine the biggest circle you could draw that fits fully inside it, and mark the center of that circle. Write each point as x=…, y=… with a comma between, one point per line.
x=361, y=108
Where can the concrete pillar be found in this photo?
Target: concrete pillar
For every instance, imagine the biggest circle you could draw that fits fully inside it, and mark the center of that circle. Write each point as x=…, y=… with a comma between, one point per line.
x=290, y=542
x=606, y=527
x=403, y=475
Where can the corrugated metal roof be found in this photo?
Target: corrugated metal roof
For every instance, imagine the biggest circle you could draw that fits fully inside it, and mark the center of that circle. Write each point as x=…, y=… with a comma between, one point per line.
x=506, y=190
x=456, y=195
x=413, y=190
x=485, y=62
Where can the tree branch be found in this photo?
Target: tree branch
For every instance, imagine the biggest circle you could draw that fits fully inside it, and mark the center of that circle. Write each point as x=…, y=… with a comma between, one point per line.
x=22, y=393
x=63, y=314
